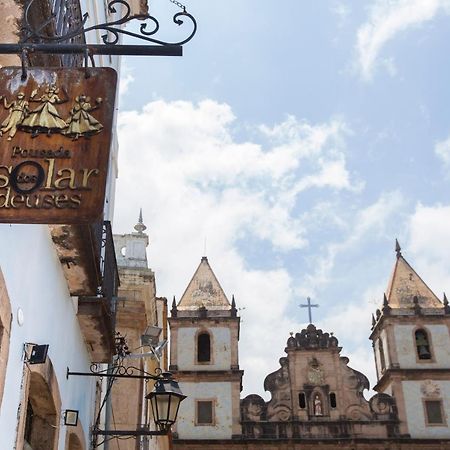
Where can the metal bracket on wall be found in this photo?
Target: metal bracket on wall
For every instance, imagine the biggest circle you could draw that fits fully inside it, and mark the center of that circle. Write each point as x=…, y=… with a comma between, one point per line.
x=71, y=40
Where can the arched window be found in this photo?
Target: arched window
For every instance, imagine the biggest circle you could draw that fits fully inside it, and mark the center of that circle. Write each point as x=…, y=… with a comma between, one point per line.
x=333, y=402
x=203, y=347
x=302, y=400
x=422, y=344
x=381, y=352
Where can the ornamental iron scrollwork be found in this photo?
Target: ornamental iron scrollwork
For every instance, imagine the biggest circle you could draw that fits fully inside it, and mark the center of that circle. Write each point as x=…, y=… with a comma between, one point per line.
x=113, y=30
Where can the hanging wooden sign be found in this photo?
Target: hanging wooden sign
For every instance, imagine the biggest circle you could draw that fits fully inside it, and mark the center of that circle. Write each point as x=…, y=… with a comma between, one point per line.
x=55, y=137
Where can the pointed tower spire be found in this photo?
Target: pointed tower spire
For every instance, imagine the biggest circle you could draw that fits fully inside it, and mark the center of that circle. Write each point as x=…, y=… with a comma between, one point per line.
x=405, y=283
x=204, y=290
x=398, y=249
x=140, y=227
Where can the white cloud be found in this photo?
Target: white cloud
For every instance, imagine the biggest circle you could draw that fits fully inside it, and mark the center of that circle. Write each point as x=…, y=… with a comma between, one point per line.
x=194, y=180
x=342, y=11
x=126, y=79
x=442, y=150
x=429, y=245
x=370, y=221
x=387, y=18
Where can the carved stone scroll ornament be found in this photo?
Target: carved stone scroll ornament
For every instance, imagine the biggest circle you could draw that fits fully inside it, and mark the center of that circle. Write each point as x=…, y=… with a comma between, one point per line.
x=382, y=405
x=430, y=388
x=279, y=385
x=253, y=408
x=315, y=372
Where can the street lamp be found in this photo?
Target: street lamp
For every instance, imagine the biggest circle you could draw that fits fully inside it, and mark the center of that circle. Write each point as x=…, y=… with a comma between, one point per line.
x=165, y=400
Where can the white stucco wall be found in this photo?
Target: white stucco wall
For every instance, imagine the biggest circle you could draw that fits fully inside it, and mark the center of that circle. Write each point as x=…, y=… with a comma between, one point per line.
x=406, y=349
x=35, y=283
x=221, y=393
x=220, y=349
x=415, y=412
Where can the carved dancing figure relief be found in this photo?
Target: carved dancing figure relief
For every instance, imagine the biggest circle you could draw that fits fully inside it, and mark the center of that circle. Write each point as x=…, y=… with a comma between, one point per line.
x=81, y=123
x=45, y=118
x=18, y=109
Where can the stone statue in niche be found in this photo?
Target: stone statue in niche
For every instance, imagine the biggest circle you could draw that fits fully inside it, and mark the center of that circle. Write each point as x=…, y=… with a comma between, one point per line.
x=318, y=407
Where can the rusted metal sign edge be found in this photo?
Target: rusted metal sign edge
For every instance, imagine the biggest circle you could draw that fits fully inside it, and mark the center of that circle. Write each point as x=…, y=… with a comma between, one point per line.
x=55, y=137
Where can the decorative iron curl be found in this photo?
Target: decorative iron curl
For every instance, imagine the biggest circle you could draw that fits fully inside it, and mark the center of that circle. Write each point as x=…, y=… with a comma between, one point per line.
x=147, y=29
x=132, y=370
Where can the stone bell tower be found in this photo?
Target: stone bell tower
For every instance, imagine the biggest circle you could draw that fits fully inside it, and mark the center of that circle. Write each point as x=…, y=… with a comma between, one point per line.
x=204, y=330
x=411, y=342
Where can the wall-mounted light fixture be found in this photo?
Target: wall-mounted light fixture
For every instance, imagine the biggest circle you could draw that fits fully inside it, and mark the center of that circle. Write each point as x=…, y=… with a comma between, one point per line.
x=71, y=417
x=151, y=336
x=38, y=354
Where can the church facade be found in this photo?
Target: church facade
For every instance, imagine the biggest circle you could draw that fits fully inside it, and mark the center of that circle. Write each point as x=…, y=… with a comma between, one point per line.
x=317, y=399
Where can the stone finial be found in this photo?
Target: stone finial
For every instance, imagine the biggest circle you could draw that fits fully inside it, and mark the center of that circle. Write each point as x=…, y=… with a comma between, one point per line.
x=373, y=321
x=233, y=307
x=140, y=227
x=174, y=309
x=446, y=305
x=386, y=308
x=398, y=249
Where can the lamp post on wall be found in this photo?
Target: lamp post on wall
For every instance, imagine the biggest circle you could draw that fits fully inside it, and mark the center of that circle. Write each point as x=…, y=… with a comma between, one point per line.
x=165, y=400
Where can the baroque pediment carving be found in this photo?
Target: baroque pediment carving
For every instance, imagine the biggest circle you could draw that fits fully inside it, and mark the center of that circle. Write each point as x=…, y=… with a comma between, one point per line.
x=312, y=338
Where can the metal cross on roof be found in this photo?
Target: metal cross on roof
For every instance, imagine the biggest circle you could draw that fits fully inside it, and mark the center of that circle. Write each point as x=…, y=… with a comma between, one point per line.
x=309, y=305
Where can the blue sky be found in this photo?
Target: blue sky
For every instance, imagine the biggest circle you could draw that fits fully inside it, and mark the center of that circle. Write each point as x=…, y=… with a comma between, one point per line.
x=299, y=140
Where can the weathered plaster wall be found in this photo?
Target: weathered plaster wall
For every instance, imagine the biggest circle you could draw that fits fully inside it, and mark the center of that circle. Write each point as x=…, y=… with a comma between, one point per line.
x=415, y=411
x=440, y=341
x=220, y=349
x=221, y=393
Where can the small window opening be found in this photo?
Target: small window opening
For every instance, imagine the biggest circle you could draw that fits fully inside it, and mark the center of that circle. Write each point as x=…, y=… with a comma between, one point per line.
x=422, y=345
x=333, y=403
x=434, y=412
x=204, y=348
x=302, y=400
x=204, y=412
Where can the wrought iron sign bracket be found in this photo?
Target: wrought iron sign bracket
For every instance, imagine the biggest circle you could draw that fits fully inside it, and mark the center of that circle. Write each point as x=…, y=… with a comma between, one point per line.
x=35, y=40
x=123, y=372
x=135, y=433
